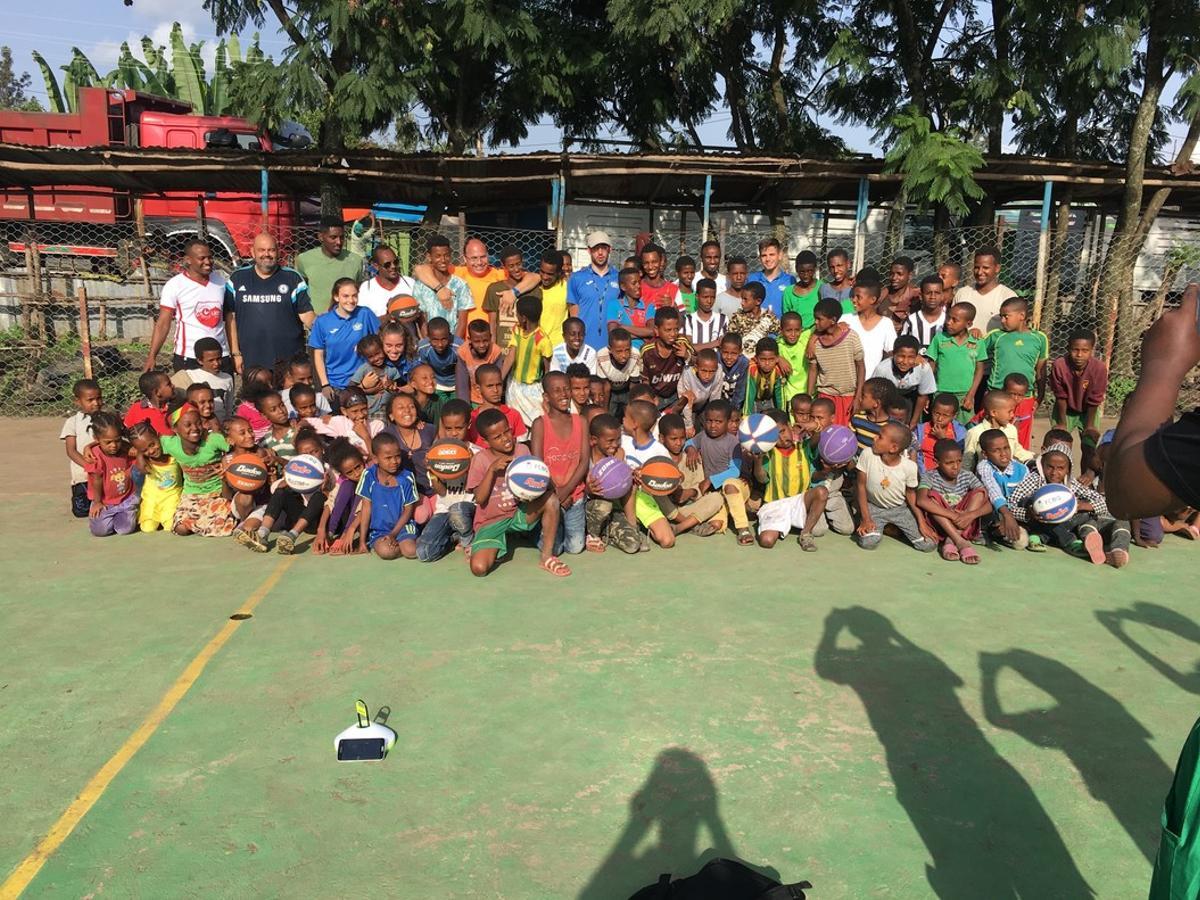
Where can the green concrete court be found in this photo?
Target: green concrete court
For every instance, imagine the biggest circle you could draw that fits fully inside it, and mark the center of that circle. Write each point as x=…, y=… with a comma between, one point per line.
x=884, y=725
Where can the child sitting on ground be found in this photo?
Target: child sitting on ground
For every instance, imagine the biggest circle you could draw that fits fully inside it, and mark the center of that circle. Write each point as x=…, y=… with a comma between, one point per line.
x=698, y=385
x=1079, y=382
x=248, y=506
x=281, y=432
x=998, y=409
x=1091, y=532
x=203, y=508
x=352, y=423
x=289, y=509
x=560, y=440
x=528, y=352
x=620, y=364
x=114, y=501
x=491, y=396
x=837, y=516
x=911, y=374
x=162, y=482
x=835, y=361
x=640, y=445
x=720, y=453
x=788, y=500
x=388, y=498
x=157, y=393
x=414, y=437
x=764, y=381
x=942, y=424
x=497, y=512
x=687, y=507
x=609, y=522
x=877, y=395
x=954, y=501
x=76, y=434
x=338, y=526
x=887, y=492
x=453, y=515
x=999, y=473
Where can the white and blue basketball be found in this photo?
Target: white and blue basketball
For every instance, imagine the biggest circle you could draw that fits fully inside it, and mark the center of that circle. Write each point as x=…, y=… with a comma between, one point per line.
x=527, y=477
x=1052, y=504
x=758, y=432
x=304, y=473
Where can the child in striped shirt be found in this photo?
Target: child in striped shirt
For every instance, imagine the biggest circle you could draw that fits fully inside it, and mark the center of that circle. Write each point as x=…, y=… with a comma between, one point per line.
x=788, y=500
x=704, y=327
x=835, y=361
x=526, y=360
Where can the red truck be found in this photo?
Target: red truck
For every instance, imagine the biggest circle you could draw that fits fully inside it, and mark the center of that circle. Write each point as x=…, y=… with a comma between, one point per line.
x=97, y=222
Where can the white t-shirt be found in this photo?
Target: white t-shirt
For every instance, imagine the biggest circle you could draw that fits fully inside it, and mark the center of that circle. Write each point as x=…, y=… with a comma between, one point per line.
x=79, y=426
x=727, y=304
x=199, y=311
x=886, y=485
x=876, y=342
x=560, y=359
x=374, y=296
x=720, y=279
x=987, y=306
x=220, y=382
x=637, y=456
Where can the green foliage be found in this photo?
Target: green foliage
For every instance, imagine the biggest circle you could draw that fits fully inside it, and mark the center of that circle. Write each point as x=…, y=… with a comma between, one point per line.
x=13, y=85
x=938, y=166
x=1119, y=387
x=187, y=70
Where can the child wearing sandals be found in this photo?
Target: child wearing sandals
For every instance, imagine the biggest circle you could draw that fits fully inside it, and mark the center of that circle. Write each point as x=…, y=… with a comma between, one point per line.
x=114, y=501
x=203, y=508
x=954, y=501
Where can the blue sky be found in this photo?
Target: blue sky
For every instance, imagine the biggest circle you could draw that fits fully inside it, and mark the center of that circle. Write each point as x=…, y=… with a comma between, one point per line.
x=99, y=28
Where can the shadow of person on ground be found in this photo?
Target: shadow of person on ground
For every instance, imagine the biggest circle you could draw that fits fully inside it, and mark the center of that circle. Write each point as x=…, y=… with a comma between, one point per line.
x=663, y=834
x=979, y=819
x=1108, y=746
x=1160, y=617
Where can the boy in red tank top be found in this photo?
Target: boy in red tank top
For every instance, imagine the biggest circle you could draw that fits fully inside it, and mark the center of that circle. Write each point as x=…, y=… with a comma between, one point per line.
x=560, y=439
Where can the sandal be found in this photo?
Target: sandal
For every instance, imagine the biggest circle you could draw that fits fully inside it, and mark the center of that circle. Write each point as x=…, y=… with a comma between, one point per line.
x=745, y=537
x=970, y=556
x=950, y=552
x=555, y=566
x=706, y=529
x=595, y=544
x=807, y=544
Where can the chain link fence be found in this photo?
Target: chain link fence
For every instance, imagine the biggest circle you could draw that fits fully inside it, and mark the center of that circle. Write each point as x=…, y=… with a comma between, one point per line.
x=62, y=281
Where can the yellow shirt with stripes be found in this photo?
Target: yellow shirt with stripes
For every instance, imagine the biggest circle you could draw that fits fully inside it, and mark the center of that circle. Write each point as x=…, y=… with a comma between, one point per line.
x=787, y=474
x=532, y=351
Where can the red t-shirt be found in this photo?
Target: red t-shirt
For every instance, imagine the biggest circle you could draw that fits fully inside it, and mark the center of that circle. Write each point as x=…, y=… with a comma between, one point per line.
x=514, y=422
x=666, y=294
x=501, y=503
x=141, y=411
x=118, y=480
x=1023, y=419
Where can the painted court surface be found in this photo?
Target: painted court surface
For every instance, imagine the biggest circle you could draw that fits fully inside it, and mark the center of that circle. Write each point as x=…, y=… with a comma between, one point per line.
x=882, y=725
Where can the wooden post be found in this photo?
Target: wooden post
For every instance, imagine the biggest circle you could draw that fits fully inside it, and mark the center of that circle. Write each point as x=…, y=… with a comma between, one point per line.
x=39, y=311
x=1043, y=257
x=27, y=303
x=85, y=331
x=139, y=219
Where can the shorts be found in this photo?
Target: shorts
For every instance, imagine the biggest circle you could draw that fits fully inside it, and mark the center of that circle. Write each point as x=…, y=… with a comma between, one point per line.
x=207, y=515
x=257, y=513
x=782, y=515
x=1076, y=422
x=158, y=510
x=703, y=508
x=646, y=509
x=494, y=535
x=843, y=407
x=407, y=533
x=526, y=399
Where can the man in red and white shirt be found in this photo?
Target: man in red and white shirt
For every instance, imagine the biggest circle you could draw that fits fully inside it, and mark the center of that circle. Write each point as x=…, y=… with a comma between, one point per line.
x=195, y=299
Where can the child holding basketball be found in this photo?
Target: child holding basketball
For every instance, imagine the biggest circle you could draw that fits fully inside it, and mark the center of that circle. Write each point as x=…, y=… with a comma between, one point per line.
x=453, y=513
x=641, y=446
x=387, y=499
x=788, y=500
x=162, y=482
x=560, y=439
x=497, y=512
x=76, y=434
x=609, y=522
x=887, y=492
x=295, y=512
x=834, y=358
x=247, y=506
x=829, y=475
x=877, y=395
x=157, y=393
x=955, y=502
x=526, y=357
x=203, y=508
x=114, y=502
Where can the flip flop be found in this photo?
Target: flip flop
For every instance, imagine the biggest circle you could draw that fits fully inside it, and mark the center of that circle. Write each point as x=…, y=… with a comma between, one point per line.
x=950, y=552
x=807, y=544
x=970, y=556
x=555, y=567
x=745, y=537
x=594, y=544
x=706, y=529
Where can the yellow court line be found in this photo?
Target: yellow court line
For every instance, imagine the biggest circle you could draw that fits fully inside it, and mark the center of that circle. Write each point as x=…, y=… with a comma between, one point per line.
x=28, y=868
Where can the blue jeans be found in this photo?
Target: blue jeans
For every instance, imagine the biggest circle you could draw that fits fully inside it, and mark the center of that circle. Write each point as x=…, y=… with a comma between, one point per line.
x=437, y=536
x=572, y=529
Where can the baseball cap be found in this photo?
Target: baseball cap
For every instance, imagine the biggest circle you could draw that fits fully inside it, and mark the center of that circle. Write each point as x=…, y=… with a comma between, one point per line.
x=596, y=238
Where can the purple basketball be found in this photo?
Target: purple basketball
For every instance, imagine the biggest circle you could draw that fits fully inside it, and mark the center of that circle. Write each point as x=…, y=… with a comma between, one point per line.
x=837, y=444
x=613, y=476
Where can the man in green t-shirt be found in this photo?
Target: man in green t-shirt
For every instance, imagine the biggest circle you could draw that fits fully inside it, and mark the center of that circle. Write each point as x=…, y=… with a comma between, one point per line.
x=1014, y=347
x=802, y=296
x=324, y=264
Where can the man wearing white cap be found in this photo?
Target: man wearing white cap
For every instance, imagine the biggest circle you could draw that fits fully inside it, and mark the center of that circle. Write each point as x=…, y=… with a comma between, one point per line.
x=592, y=287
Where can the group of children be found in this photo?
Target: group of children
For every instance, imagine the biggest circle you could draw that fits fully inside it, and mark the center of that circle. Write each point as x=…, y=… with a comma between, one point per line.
x=942, y=415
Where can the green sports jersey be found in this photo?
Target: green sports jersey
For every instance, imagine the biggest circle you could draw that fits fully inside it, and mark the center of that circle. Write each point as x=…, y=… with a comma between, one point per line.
x=1013, y=351
x=955, y=362
x=802, y=302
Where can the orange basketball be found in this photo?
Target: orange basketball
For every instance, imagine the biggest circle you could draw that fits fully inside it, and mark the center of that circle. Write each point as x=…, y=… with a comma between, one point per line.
x=403, y=306
x=448, y=459
x=246, y=473
x=660, y=476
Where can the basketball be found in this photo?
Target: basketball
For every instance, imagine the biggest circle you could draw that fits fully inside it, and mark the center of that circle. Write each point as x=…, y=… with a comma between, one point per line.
x=837, y=444
x=1052, y=504
x=403, y=306
x=527, y=478
x=304, y=473
x=246, y=473
x=660, y=476
x=613, y=476
x=448, y=459
x=758, y=432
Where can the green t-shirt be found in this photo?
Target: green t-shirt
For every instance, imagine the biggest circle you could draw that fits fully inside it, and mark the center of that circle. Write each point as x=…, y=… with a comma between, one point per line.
x=797, y=382
x=802, y=303
x=955, y=362
x=321, y=271
x=202, y=469
x=1013, y=351
x=690, y=300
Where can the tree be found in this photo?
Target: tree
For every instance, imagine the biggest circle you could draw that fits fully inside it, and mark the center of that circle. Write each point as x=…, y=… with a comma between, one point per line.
x=13, y=86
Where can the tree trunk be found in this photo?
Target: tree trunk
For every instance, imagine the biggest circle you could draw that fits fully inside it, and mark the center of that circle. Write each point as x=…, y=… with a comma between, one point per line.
x=1058, y=258
x=778, y=98
x=893, y=240
x=941, y=243
x=1001, y=31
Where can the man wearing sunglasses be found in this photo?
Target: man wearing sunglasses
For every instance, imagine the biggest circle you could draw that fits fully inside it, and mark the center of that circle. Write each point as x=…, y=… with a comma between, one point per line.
x=374, y=293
